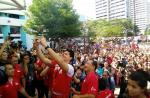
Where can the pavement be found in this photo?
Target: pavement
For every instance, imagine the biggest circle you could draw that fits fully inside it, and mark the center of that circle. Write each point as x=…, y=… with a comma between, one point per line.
x=116, y=92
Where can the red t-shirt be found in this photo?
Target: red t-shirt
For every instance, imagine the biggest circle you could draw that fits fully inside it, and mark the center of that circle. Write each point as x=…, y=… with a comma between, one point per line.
x=105, y=94
x=18, y=73
x=46, y=80
x=39, y=67
x=90, y=84
x=10, y=89
x=61, y=80
x=50, y=76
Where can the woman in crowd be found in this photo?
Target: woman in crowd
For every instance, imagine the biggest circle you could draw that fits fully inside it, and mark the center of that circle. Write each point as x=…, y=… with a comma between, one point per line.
x=29, y=71
x=104, y=92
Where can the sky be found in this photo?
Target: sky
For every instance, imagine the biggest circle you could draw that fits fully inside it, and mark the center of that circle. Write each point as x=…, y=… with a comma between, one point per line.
x=85, y=8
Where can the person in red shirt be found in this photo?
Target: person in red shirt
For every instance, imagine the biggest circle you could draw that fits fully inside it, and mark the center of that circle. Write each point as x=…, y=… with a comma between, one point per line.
x=104, y=92
x=48, y=74
x=43, y=78
x=63, y=70
x=39, y=79
x=18, y=71
x=89, y=87
x=12, y=87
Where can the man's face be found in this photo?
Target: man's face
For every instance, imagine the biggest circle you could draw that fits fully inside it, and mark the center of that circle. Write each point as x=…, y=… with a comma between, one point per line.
x=88, y=65
x=14, y=59
x=66, y=56
x=134, y=89
x=9, y=70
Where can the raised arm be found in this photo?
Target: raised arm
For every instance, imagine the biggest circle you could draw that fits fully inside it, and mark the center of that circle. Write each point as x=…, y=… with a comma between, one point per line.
x=45, y=70
x=40, y=54
x=55, y=56
x=6, y=42
x=42, y=57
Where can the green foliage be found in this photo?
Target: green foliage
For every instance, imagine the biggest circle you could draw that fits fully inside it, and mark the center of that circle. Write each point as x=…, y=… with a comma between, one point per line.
x=113, y=28
x=56, y=18
x=147, y=31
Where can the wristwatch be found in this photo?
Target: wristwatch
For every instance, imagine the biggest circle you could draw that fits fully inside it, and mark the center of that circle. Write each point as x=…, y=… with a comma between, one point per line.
x=47, y=47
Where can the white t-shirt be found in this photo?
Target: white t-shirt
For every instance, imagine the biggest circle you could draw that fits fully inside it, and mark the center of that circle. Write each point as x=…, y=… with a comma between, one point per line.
x=70, y=72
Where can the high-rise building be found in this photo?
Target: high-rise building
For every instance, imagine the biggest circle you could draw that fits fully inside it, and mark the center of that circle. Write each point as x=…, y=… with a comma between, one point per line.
x=137, y=10
x=111, y=9
x=118, y=9
x=102, y=9
x=140, y=13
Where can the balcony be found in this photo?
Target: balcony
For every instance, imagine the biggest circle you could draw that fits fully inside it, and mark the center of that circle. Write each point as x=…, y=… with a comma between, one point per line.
x=15, y=35
x=1, y=35
x=11, y=21
x=1, y=40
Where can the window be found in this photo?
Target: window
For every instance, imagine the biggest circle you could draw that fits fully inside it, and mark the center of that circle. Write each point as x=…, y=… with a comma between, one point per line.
x=15, y=30
x=14, y=16
x=0, y=14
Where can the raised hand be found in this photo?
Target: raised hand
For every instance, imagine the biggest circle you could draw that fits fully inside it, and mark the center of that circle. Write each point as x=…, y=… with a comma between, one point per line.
x=7, y=41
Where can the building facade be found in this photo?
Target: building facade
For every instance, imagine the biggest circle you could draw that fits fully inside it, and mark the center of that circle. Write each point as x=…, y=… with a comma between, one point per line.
x=111, y=9
x=11, y=23
x=137, y=10
x=102, y=9
x=140, y=13
x=118, y=9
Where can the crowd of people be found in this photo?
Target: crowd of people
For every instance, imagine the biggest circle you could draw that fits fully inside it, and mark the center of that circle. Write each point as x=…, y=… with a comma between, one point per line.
x=94, y=72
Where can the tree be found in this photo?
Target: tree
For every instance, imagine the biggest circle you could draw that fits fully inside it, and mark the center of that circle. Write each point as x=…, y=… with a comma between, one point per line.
x=147, y=31
x=136, y=29
x=112, y=28
x=103, y=28
x=55, y=18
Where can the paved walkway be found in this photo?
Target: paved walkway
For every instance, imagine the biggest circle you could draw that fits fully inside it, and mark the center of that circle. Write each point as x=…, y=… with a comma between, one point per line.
x=116, y=92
